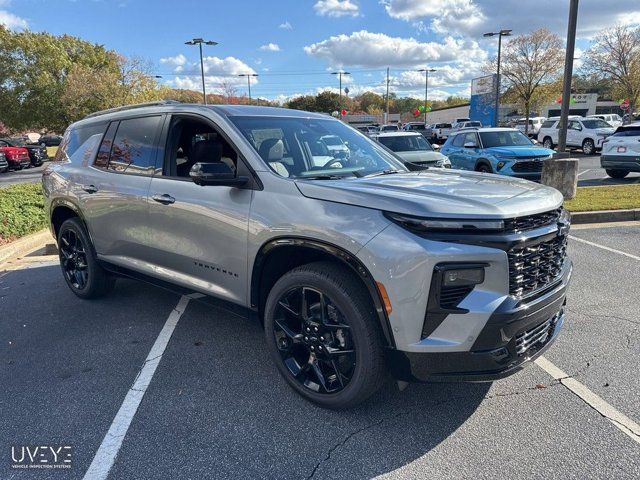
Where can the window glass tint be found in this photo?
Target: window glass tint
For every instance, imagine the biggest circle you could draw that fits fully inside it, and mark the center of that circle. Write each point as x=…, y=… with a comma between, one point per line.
x=628, y=132
x=595, y=123
x=405, y=143
x=548, y=124
x=458, y=141
x=134, y=149
x=504, y=139
x=102, y=159
x=470, y=138
x=79, y=144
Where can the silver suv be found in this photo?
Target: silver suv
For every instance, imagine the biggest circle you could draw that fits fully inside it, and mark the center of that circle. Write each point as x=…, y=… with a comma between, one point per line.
x=355, y=265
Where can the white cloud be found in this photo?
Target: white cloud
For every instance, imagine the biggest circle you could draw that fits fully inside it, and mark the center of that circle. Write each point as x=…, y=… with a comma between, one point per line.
x=473, y=17
x=217, y=71
x=10, y=20
x=178, y=61
x=270, y=47
x=336, y=8
x=285, y=25
x=369, y=49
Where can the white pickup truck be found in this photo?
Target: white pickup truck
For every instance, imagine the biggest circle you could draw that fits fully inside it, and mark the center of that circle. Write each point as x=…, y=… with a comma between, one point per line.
x=584, y=133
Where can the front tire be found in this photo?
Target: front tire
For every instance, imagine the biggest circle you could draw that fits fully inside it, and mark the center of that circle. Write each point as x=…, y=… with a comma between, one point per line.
x=80, y=268
x=484, y=168
x=321, y=330
x=547, y=143
x=617, y=173
x=588, y=147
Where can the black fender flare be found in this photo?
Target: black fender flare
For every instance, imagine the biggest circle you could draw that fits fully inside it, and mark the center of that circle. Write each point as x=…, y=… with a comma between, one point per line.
x=340, y=254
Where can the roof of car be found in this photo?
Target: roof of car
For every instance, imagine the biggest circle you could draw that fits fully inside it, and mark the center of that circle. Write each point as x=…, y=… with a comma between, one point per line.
x=399, y=133
x=485, y=129
x=256, y=110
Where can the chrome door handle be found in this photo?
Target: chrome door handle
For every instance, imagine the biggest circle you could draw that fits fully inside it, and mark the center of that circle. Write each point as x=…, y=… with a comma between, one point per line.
x=165, y=199
x=90, y=188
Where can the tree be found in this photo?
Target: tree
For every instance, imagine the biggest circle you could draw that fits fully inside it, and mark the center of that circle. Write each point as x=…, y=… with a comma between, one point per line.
x=229, y=92
x=530, y=65
x=615, y=55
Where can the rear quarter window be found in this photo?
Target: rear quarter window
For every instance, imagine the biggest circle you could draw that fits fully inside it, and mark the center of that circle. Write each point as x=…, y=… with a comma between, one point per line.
x=80, y=144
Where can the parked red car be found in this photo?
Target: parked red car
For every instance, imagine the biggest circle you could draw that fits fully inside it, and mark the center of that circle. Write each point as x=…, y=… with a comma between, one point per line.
x=17, y=157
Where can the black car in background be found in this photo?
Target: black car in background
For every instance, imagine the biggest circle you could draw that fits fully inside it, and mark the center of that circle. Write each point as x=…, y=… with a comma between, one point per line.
x=50, y=140
x=4, y=165
x=37, y=152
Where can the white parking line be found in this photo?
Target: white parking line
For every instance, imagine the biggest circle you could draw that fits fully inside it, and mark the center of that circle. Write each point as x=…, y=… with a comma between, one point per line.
x=603, y=247
x=585, y=171
x=108, y=450
x=621, y=421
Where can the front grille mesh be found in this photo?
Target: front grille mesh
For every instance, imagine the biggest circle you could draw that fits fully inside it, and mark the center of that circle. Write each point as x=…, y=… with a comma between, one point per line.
x=538, y=334
x=536, y=266
x=528, y=166
x=450, y=297
x=520, y=224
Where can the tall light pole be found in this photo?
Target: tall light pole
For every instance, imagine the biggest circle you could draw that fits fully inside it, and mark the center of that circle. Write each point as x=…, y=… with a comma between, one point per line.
x=248, y=75
x=426, y=86
x=568, y=73
x=500, y=34
x=199, y=42
x=339, y=74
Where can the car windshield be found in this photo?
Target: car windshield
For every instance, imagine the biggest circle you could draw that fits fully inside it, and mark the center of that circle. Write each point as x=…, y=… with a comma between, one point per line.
x=296, y=148
x=15, y=142
x=405, y=143
x=332, y=140
x=595, y=123
x=506, y=138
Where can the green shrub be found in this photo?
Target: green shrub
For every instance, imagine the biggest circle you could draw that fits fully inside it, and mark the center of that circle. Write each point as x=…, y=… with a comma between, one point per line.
x=21, y=211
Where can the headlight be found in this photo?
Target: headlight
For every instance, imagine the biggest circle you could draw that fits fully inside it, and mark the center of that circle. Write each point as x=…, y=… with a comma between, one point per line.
x=443, y=163
x=423, y=225
x=565, y=217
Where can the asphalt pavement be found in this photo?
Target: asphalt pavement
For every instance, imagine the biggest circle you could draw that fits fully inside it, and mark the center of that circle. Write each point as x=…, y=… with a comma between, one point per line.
x=26, y=175
x=216, y=407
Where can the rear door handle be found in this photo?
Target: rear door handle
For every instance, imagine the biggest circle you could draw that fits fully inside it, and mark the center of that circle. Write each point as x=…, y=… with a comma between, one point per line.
x=90, y=188
x=165, y=199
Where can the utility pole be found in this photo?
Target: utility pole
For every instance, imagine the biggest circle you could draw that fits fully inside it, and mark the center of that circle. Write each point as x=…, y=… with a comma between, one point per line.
x=199, y=42
x=339, y=74
x=568, y=73
x=387, y=108
x=500, y=34
x=248, y=75
x=426, y=86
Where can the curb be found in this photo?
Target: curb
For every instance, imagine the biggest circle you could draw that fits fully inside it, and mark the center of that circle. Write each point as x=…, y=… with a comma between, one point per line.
x=25, y=245
x=605, y=216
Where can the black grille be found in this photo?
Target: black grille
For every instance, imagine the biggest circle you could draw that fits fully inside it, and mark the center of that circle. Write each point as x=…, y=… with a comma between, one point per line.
x=527, y=166
x=450, y=297
x=530, y=222
x=534, y=267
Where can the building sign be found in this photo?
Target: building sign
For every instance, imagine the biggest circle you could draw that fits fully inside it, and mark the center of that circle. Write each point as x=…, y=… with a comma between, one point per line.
x=483, y=100
x=483, y=85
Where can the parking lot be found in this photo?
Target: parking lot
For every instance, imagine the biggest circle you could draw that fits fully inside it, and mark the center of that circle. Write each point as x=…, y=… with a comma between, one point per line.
x=216, y=407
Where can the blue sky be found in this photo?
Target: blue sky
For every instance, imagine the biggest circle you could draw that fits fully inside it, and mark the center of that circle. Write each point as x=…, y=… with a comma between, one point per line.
x=293, y=44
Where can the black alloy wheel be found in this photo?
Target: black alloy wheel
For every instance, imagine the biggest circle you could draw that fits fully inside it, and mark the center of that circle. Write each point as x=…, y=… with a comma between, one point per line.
x=314, y=341
x=73, y=259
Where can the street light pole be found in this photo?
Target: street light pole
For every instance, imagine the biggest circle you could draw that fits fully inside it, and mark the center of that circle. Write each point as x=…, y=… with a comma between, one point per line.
x=339, y=74
x=248, y=75
x=426, y=86
x=199, y=42
x=500, y=34
x=568, y=73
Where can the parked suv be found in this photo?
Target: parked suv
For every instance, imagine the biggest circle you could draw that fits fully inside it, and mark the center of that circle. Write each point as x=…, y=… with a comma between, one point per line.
x=37, y=153
x=441, y=131
x=530, y=127
x=621, y=151
x=413, y=149
x=584, y=133
x=353, y=266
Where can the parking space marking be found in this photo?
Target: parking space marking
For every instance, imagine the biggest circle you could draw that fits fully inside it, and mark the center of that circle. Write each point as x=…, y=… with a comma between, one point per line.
x=110, y=446
x=617, y=418
x=585, y=171
x=619, y=252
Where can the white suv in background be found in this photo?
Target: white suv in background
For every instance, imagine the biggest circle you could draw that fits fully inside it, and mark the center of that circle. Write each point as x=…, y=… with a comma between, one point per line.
x=612, y=119
x=584, y=133
x=534, y=125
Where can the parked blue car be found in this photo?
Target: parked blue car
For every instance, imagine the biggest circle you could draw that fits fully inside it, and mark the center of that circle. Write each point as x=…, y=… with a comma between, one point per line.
x=496, y=150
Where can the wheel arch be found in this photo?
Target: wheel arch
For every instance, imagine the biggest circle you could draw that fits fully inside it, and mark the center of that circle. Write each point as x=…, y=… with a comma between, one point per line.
x=62, y=210
x=280, y=255
x=483, y=161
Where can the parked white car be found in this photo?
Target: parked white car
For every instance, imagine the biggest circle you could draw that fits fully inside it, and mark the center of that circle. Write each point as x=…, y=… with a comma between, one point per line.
x=584, y=133
x=440, y=131
x=621, y=151
x=413, y=149
x=534, y=125
x=612, y=119
x=467, y=124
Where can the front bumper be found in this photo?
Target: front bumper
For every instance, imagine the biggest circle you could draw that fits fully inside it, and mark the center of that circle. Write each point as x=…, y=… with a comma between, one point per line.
x=497, y=352
x=621, y=162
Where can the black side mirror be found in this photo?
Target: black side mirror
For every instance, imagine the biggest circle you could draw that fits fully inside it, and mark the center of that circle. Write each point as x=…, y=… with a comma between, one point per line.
x=217, y=174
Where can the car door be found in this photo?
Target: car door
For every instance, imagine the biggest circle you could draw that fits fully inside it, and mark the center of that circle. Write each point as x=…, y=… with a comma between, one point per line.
x=470, y=154
x=198, y=234
x=454, y=150
x=574, y=133
x=113, y=191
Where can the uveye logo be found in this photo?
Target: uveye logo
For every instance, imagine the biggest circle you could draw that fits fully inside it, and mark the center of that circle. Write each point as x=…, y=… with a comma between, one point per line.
x=41, y=456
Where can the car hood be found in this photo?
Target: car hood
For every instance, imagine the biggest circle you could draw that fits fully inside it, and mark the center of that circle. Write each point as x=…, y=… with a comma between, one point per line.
x=605, y=131
x=424, y=156
x=520, y=151
x=438, y=193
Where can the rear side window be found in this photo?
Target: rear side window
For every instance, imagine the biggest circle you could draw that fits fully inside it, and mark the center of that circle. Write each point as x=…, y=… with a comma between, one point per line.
x=79, y=144
x=134, y=147
x=548, y=124
x=102, y=159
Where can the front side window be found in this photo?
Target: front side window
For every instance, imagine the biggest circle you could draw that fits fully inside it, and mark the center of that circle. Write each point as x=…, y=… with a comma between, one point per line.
x=595, y=123
x=134, y=149
x=458, y=141
x=504, y=139
x=297, y=148
x=405, y=143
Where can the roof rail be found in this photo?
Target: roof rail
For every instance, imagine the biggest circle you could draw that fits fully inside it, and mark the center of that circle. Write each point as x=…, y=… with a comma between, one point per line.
x=131, y=107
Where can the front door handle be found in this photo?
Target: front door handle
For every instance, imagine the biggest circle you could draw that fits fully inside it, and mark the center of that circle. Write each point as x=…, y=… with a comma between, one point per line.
x=165, y=199
x=90, y=188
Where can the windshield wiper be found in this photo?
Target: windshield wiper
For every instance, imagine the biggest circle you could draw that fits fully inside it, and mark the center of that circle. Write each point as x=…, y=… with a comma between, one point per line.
x=383, y=172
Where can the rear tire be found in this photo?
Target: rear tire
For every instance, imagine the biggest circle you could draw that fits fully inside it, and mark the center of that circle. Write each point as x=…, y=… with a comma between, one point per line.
x=80, y=268
x=617, y=173
x=322, y=332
